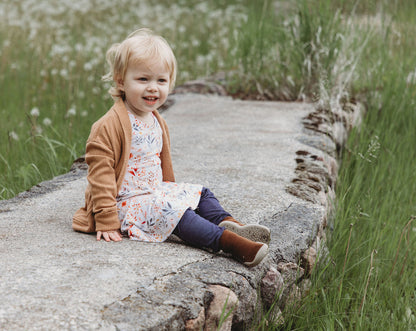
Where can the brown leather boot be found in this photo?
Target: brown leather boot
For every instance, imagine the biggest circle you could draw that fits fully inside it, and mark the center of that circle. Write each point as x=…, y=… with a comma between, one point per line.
x=244, y=250
x=254, y=232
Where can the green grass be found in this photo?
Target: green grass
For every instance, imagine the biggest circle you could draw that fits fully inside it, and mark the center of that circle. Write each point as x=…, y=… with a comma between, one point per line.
x=369, y=281
x=53, y=56
x=320, y=50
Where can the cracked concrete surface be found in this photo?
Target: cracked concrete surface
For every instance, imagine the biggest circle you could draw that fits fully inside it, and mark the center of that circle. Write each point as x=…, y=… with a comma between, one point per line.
x=54, y=278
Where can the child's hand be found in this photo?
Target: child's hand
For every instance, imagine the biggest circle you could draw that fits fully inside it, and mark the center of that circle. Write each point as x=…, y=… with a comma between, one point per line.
x=109, y=235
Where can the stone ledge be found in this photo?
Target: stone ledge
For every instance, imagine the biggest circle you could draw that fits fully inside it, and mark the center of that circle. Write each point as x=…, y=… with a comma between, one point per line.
x=253, y=155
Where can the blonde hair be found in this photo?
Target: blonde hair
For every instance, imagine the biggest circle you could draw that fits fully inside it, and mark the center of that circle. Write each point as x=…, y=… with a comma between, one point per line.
x=140, y=46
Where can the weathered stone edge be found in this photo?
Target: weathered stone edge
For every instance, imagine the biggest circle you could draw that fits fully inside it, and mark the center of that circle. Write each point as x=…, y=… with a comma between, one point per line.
x=279, y=281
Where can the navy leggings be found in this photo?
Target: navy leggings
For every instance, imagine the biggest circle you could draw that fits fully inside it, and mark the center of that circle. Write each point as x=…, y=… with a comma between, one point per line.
x=200, y=227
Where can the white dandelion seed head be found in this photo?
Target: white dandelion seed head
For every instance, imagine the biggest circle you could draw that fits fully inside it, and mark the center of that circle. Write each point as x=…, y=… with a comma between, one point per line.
x=35, y=112
x=71, y=112
x=13, y=135
x=64, y=73
x=47, y=121
x=88, y=66
x=411, y=78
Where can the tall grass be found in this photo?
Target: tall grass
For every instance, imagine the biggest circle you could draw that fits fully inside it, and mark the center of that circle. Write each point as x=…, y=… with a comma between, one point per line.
x=368, y=283
x=52, y=58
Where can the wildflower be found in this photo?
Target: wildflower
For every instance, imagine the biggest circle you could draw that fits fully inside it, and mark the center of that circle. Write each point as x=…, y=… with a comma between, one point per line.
x=34, y=112
x=79, y=47
x=411, y=78
x=372, y=150
x=88, y=66
x=84, y=113
x=47, y=121
x=13, y=135
x=64, y=73
x=71, y=112
x=200, y=60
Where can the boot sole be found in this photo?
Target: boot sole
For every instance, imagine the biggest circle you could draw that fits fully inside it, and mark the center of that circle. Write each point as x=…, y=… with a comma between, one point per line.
x=253, y=232
x=261, y=254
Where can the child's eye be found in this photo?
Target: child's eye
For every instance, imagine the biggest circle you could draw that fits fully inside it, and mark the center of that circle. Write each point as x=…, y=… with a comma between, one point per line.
x=142, y=79
x=162, y=80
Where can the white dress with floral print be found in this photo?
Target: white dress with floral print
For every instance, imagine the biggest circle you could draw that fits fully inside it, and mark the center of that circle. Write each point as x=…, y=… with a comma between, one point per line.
x=148, y=208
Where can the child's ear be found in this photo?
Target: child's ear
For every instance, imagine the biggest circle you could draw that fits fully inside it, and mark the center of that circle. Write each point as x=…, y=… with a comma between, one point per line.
x=120, y=84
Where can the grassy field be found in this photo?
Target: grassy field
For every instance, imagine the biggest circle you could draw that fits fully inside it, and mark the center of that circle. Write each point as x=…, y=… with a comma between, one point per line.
x=368, y=283
x=52, y=58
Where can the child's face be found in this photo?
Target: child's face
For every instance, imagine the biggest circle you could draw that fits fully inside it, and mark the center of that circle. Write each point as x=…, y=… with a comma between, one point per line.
x=146, y=86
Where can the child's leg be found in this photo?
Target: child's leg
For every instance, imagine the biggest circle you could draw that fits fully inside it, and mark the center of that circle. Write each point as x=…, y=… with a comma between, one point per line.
x=200, y=232
x=197, y=231
x=209, y=207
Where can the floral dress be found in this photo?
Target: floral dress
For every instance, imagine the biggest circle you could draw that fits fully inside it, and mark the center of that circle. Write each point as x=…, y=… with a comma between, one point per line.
x=148, y=208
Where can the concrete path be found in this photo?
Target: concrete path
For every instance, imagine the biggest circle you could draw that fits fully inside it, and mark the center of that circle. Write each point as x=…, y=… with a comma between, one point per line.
x=54, y=278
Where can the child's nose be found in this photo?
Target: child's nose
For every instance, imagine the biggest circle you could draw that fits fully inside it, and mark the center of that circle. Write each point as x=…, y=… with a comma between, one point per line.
x=151, y=86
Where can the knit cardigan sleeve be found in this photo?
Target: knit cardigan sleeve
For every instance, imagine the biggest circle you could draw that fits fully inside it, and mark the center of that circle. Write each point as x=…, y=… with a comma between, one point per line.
x=101, y=159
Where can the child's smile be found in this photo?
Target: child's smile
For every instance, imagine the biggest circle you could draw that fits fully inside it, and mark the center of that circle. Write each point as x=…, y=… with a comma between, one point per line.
x=150, y=100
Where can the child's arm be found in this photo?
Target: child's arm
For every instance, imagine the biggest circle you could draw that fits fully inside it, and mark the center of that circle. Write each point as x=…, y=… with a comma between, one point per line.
x=109, y=235
x=102, y=153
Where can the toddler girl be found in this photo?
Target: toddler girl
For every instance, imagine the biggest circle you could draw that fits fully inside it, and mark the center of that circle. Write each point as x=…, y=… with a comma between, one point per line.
x=131, y=185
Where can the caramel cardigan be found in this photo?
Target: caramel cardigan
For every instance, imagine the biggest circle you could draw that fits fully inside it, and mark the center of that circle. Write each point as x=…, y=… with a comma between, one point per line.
x=107, y=155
